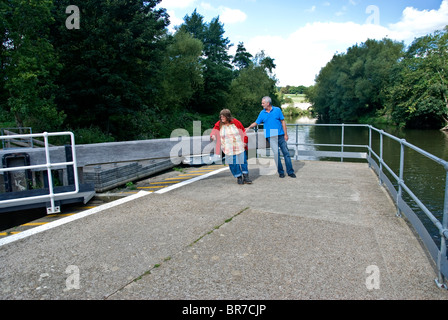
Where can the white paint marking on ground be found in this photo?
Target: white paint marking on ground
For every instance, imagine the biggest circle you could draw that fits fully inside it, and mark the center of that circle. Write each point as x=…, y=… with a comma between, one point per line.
x=62, y=221
x=183, y=183
x=74, y=217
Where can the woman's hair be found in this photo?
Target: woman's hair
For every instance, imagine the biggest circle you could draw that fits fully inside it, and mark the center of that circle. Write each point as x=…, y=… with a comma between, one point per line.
x=226, y=113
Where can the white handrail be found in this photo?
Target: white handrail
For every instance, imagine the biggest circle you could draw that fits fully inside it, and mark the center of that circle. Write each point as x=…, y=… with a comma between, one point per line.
x=48, y=165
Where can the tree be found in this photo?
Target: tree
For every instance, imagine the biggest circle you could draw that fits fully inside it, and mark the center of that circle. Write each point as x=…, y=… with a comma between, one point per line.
x=217, y=71
x=30, y=65
x=323, y=94
x=5, y=47
x=419, y=97
x=266, y=62
x=120, y=73
x=247, y=90
x=112, y=64
x=182, y=71
x=242, y=58
x=353, y=84
x=194, y=25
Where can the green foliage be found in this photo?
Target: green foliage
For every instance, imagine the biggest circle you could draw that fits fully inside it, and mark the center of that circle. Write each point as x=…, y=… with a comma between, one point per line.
x=182, y=71
x=217, y=72
x=112, y=64
x=242, y=58
x=30, y=65
x=294, y=90
x=352, y=85
x=293, y=112
x=246, y=92
x=121, y=75
x=380, y=81
x=419, y=97
x=91, y=135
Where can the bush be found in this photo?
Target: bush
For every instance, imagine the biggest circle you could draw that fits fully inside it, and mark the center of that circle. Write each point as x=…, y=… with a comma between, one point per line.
x=293, y=112
x=91, y=135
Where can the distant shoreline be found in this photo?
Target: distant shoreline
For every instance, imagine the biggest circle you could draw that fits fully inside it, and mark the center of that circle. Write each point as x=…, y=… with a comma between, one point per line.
x=298, y=105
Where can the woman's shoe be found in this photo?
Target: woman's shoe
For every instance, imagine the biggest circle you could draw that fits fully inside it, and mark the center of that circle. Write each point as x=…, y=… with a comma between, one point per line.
x=246, y=179
x=240, y=180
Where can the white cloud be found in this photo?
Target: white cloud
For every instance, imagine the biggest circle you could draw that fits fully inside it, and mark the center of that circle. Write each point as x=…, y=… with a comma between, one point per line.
x=174, y=21
x=300, y=56
x=175, y=4
x=228, y=16
x=415, y=23
x=206, y=6
x=170, y=6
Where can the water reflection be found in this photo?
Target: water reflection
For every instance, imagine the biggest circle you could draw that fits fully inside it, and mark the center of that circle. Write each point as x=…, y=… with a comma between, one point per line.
x=302, y=135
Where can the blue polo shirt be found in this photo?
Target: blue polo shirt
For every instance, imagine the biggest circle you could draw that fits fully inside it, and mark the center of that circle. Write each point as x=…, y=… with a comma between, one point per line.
x=272, y=122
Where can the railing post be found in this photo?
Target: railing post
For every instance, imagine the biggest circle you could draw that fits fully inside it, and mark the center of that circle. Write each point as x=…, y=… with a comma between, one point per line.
x=296, y=155
x=50, y=177
x=400, y=175
x=342, y=144
x=256, y=142
x=381, y=158
x=75, y=163
x=441, y=281
x=370, y=145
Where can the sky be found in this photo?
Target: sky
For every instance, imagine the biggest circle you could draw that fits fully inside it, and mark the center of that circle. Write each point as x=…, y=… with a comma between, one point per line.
x=303, y=35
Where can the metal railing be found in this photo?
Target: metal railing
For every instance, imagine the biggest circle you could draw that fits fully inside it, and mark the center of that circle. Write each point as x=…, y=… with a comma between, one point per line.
x=331, y=154
x=48, y=166
x=380, y=166
x=439, y=255
x=19, y=143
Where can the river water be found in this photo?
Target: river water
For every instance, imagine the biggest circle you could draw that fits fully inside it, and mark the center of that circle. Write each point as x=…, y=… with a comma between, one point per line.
x=424, y=177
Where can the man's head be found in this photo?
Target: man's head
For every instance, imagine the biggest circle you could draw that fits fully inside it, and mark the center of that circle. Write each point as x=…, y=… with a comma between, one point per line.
x=266, y=102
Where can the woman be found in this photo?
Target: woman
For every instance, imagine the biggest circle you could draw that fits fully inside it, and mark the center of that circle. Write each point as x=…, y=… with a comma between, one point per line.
x=231, y=137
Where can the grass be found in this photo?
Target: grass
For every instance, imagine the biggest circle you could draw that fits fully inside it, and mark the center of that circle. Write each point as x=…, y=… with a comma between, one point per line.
x=217, y=227
x=296, y=98
x=179, y=169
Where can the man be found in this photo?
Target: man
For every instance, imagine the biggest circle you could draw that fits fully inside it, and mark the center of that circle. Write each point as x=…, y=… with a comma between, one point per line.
x=276, y=133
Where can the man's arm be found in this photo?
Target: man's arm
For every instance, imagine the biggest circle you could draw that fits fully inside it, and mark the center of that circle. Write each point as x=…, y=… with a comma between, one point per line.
x=251, y=126
x=285, y=130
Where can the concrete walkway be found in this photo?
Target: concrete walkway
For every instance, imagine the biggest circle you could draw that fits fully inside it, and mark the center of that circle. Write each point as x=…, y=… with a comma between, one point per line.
x=331, y=233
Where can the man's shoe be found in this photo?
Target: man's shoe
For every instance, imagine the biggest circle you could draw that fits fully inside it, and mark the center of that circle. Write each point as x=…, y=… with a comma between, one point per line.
x=292, y=175
x=246, y=179
x=281, y=175
x=240, y=180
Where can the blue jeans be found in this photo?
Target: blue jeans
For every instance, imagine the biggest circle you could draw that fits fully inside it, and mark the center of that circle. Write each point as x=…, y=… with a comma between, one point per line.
x=238, y=164
x=279, y=142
